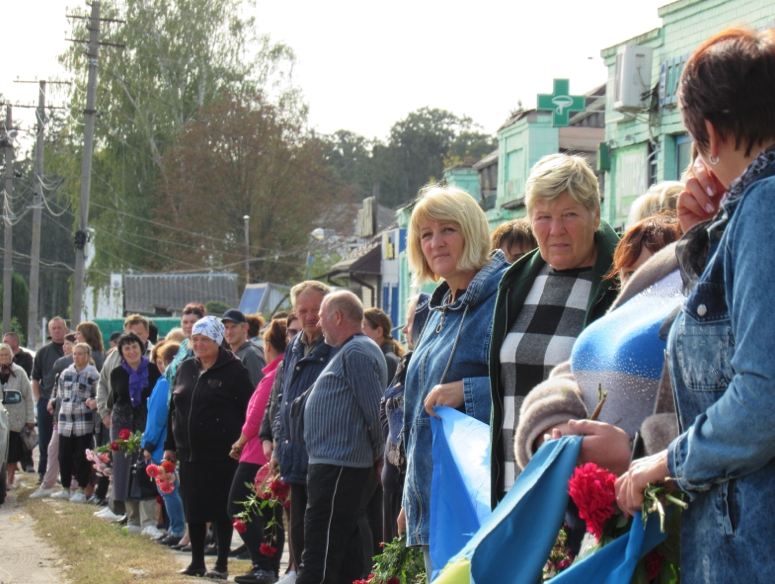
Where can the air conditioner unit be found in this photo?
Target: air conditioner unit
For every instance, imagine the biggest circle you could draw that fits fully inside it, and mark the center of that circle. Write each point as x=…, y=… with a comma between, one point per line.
x=633, y=78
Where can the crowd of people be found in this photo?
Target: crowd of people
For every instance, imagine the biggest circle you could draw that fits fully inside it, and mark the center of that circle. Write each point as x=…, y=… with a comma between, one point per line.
x=523, y=328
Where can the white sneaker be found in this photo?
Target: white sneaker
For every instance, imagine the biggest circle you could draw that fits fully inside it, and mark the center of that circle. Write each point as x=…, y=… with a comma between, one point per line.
x=108, y=514
x=132, y=529
x=152, y=532
x=41, y=492
x=63, y=494
x=78, y=498
x=289, y=578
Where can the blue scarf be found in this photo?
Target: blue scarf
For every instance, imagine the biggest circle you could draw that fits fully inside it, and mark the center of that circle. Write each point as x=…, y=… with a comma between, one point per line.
x=138, y=380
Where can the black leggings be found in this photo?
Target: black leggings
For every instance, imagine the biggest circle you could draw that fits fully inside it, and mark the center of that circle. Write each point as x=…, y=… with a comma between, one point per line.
x=198, y=531
x=73, y=449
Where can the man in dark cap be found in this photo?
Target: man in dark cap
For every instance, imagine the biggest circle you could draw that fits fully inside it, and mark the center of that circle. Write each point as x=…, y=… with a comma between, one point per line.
x=236, y=334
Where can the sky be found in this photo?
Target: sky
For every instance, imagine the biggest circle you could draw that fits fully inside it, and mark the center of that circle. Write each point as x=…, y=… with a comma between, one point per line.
x=362, y=66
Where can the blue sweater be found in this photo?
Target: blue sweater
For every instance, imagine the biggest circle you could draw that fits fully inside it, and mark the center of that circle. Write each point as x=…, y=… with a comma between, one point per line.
x=156, y=424
x=341, y=417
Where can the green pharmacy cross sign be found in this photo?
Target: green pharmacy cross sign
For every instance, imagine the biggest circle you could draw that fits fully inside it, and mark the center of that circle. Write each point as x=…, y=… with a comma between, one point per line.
x=561, y=103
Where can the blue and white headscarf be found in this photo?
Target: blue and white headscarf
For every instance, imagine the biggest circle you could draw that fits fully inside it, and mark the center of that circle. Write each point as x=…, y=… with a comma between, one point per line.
x=210, y=327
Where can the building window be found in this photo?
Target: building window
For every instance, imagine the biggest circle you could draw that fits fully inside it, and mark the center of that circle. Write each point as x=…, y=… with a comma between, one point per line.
x=683, y=154
x=653, y=168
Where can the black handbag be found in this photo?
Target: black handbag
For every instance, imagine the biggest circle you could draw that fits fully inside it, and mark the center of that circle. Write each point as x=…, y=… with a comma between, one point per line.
x=142, y=487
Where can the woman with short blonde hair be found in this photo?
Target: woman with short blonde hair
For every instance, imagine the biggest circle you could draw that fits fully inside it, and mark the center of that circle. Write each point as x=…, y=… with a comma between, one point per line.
x=556, y=174
x=448, y=240
x=453, y=206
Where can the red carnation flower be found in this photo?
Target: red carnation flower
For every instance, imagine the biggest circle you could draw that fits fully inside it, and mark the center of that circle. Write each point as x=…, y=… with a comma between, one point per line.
x=165, y=487
x=287, y=504
x=267, y=550
x=124, y=434
x=592, y=489
x=168, y=466
x=280, y=490
x=394, y=580
x=266, y=495
x=159, y=500
x=240, y=527
x=653, y=564
x=114, y=446
x=152, y=470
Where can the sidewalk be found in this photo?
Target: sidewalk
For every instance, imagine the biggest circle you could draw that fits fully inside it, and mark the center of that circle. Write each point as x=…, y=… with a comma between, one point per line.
x=25, y=558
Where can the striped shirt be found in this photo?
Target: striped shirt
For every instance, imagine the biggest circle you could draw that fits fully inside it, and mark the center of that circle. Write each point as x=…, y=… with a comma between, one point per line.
x=341, y=417
x=541, y=338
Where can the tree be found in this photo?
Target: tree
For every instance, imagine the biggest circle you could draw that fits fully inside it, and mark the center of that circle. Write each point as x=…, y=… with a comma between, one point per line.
x=180, y=56
x=243, y=156
x=19, y=302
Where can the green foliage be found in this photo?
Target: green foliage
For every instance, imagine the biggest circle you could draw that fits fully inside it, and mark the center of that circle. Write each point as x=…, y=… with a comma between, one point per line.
x=399, y=561
x=216, y=307
x=20, y=296
x=16, y=327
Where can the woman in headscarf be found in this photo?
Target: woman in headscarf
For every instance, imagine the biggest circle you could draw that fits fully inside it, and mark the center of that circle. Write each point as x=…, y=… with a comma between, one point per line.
x=13, y=378
x=209, y=401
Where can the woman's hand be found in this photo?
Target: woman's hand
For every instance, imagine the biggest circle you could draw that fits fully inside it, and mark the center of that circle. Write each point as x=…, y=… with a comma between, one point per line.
x=31, y=426
x=268, y=447
x=106, y=421
x=701, y=197
x=236, y=450
x=606, y=445
x=50, y=408
x=170, y=455
x=629, y=486
x=447, y=394
x=147, y=455
x=91, y=403
x=401, y=523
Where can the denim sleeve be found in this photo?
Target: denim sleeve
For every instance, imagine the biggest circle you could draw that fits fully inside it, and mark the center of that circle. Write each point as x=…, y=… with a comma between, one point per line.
x=478, y=401
x=736, y=435
x=157, y=416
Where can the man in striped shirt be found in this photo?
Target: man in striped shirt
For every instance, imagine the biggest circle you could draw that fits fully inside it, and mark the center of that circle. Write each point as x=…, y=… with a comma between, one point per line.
x=343, y=436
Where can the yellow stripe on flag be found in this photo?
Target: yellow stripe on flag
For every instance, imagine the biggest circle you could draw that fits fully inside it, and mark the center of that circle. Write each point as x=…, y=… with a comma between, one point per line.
x=457, y=572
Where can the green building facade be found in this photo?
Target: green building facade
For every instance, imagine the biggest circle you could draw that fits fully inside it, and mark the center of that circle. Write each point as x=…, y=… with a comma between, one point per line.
x=646, y=143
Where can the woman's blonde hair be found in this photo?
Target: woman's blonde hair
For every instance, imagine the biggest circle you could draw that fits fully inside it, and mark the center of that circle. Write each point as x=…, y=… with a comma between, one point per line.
x=445, y=204
x=660, y=198
x=561, y=173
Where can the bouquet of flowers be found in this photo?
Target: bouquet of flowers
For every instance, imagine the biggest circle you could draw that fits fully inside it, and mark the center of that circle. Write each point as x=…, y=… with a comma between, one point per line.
x=126, y=443
x=101, y=462
x=593, y=491
x=397, y=564
x=164, y=474
x=267, y=491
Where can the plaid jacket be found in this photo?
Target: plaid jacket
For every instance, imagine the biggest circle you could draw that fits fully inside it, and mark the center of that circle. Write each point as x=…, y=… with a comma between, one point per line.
x=73, y=389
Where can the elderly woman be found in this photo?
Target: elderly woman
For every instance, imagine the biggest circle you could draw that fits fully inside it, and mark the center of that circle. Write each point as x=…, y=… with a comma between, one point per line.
x=132, y=382
x=448, y=240
x=13, y=378
x=77, y=392
x=209, y=400
x=721, y=364
x=377, y=326
x=548, y=296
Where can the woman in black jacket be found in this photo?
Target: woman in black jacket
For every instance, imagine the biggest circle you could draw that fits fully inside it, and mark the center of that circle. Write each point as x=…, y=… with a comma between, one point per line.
x=131, y=383
x=209, y=399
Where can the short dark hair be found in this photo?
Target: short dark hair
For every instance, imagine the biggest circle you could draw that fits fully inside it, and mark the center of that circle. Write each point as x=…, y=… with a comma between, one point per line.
x=730, y=82
x=127, y=339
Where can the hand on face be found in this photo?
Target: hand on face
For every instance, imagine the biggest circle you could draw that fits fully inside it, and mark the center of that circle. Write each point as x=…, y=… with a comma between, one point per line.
x=700, y=198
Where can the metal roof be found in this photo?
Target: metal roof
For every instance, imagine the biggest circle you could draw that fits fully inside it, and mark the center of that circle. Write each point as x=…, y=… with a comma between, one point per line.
x=147, y=293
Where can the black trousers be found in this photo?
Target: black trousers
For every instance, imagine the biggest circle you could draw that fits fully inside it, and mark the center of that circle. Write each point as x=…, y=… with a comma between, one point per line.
x=391, y=507
x=73, y=449
x=298, y=511
x=333, y=542
x=257, y=532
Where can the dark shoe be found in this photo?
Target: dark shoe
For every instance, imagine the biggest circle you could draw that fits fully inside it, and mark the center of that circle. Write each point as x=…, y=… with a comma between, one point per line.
x=218, y=573
x=192, y=571
x=211, y=550
x=169, y=540
x=178, y=547
x=257, y=576
x=236, y=552
x=186, y=548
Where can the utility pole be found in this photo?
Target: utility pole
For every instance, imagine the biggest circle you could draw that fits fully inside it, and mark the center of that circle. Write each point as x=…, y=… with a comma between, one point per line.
x=8, y=254
x=246, y=218
x=82, y=235
x=37, y=204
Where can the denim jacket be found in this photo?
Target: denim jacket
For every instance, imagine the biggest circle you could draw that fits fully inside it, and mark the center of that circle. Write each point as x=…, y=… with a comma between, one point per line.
x=723, y=374
x=454, y=346
x=299, y=373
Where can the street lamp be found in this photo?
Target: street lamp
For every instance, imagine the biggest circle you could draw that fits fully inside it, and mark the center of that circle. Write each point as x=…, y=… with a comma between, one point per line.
x=246, y=218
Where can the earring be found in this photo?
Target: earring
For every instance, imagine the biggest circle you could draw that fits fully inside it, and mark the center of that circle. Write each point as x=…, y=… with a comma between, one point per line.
x=714, y=160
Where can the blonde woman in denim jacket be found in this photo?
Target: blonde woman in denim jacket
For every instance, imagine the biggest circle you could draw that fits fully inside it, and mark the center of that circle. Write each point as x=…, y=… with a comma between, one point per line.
x=720, y=355
x=448, y=238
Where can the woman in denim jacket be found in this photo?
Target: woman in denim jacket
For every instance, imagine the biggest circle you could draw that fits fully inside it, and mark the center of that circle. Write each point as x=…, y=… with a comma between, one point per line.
x=448, y=239
x=722, y=367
